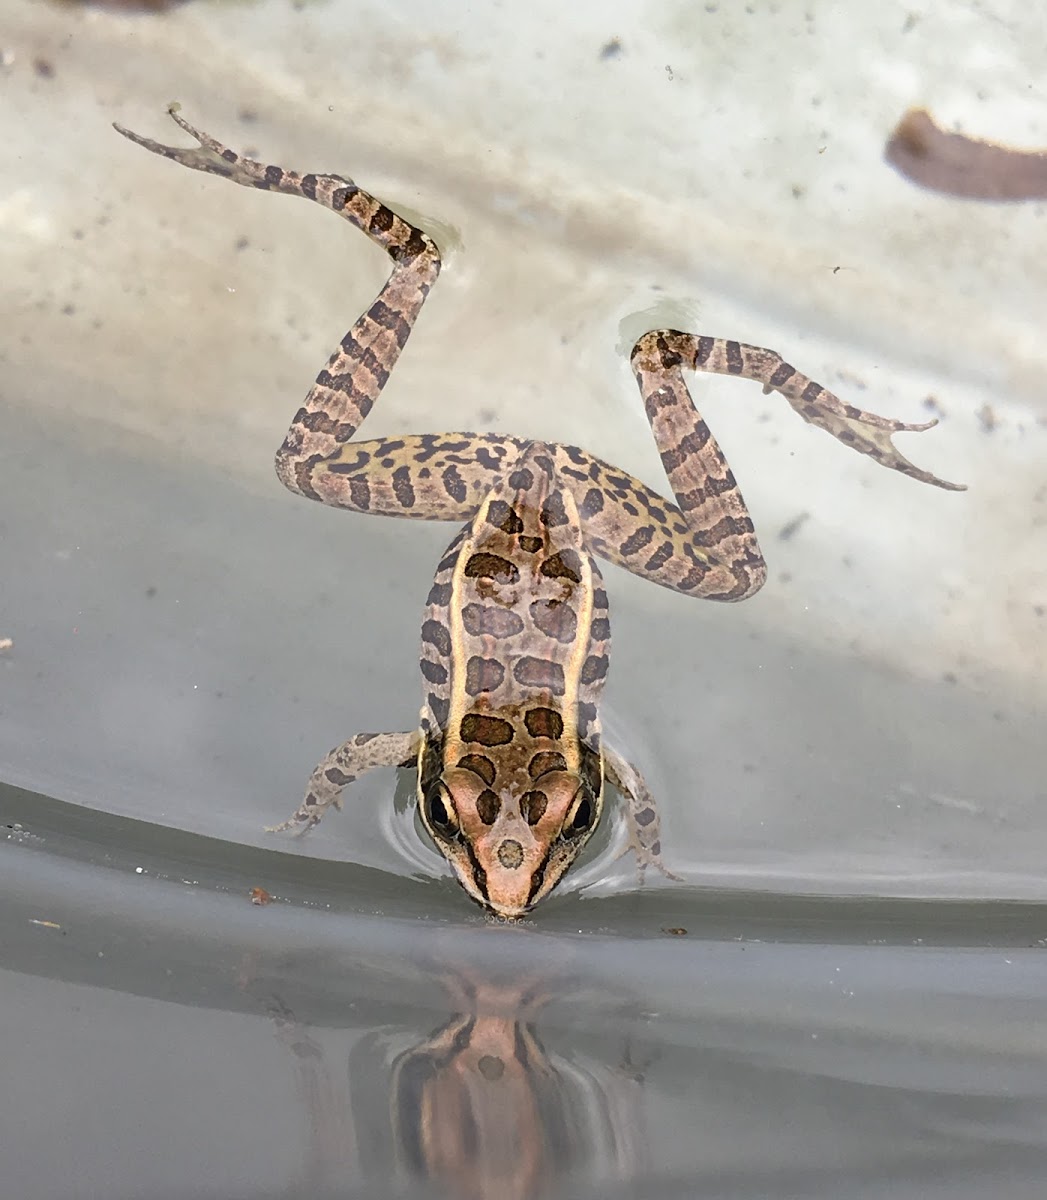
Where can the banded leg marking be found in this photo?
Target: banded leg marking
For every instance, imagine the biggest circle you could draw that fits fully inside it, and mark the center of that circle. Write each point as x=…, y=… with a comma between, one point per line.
x=428, y=476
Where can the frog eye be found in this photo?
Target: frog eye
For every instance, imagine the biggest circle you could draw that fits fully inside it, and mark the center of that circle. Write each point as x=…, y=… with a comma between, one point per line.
x=582, y=816
x=440, y=815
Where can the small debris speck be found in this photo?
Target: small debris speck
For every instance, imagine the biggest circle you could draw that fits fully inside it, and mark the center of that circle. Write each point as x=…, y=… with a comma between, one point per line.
x=791, y=528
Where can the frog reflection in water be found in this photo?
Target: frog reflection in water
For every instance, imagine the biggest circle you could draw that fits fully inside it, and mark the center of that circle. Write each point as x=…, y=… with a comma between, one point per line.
x=479, y=1107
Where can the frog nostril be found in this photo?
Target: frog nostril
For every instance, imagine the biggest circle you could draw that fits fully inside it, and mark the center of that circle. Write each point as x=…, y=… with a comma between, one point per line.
x=510, y=854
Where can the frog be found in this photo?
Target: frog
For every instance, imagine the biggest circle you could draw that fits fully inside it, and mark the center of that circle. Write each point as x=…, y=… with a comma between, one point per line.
x=513, y=771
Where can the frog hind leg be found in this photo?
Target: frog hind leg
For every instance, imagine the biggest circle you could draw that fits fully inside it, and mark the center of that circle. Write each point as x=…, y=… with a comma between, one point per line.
x=704, y=544
x=348, y=386
x=659, y=357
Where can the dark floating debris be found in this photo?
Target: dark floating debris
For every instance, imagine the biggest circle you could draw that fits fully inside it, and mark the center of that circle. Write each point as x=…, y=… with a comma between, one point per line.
x=958, y=165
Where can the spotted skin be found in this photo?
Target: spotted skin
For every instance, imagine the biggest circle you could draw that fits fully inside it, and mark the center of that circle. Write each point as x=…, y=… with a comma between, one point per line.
x=515, y=636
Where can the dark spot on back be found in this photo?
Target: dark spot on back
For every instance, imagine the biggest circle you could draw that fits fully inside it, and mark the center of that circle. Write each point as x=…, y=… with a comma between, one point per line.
x=487, y=806
x=437, y=635
x=504, y=517
x=553, y=511
x=594, y=668
x=439, y=595
x=544, y=722
x=479, y=765
x=565, y=565
x=546, y=761
x=484, y=565
x=540, y=673
x=491, y=620
x=483, y=675
x=521, y=480
x=593, y=502
x=555, y=619
x=440, y=707
x=530, y=544
x=544, y=463
x=485, y=730
x=433, y=672
x=533, y=806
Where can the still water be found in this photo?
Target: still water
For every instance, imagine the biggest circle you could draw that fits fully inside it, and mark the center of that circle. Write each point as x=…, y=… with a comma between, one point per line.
x=366, y=1034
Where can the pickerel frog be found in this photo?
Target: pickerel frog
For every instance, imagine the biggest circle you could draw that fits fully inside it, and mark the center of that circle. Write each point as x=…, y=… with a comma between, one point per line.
x=512, y=770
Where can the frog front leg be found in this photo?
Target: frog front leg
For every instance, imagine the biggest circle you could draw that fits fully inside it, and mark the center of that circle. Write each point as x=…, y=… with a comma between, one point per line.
x=642, y=815
x=346, y=763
